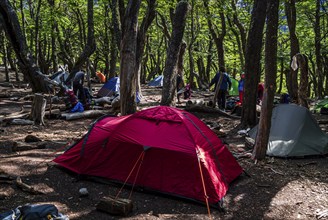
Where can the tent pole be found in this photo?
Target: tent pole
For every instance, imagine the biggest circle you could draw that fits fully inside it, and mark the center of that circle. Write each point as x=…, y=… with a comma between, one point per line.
x=205, y=193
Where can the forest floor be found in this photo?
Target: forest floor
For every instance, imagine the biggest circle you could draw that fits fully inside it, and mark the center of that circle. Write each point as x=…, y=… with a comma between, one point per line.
x=272, y=189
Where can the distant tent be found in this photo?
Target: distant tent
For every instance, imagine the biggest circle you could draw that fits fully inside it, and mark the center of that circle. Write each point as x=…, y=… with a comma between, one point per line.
x=294, y=132
x=181, y=155
x=234, y=87
x=322, y=104
x=158, y=81
x=111, y=87
x=59, y=76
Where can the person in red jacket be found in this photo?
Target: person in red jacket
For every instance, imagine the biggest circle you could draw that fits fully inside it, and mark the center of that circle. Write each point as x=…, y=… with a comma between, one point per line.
x=260, y=91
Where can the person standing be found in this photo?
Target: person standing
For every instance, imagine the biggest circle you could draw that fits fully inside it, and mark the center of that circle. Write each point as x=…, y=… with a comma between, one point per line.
x=241, y=83
x=78, y=89
x=260, y=92
x=225, y=85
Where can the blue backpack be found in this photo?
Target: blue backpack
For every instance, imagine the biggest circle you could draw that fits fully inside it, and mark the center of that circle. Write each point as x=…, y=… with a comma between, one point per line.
x=33, y=212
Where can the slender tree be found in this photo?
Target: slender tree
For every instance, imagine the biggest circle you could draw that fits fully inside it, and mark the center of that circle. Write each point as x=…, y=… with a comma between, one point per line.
x=292, y=79
x=218, y=37
x=90, y=46
x=252, y=62
x=172, y=53
x=128, y=58
x=318, y=51
x=141, y=40
x=27, y=65
x=262, y=137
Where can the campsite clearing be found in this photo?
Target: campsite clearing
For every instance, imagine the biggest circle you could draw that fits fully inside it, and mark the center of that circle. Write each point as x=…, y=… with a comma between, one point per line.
x=272, y=189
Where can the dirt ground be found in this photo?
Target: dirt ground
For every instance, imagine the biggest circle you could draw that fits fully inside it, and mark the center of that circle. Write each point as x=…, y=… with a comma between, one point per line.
x=271, y=189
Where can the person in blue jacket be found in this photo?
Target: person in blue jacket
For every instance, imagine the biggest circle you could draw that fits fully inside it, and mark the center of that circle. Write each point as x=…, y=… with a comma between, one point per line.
x=225, y=86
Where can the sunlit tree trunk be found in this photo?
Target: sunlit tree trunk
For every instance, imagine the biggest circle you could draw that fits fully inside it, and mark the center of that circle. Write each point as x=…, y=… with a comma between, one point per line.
x=141, y=40
x=128, y=58
x=172, y=53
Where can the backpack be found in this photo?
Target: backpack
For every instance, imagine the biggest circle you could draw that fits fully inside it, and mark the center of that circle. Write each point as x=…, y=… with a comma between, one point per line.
x=187, y=92
x=34, y=212
x=284, y=99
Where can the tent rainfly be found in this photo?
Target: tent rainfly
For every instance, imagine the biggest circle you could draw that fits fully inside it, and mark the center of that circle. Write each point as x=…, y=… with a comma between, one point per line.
x=157, y=82
x=181, y=155
x=111, y=87
x=294, y=133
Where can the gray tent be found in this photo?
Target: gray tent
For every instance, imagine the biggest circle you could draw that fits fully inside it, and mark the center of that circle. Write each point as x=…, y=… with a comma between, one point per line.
x=294, y=132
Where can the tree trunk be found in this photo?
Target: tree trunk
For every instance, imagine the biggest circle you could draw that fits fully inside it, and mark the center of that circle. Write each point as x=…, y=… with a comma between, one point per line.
x=304, y=80
x=242, y=32
x=27, y=65
x=53, y=37
x=180, y=62
x=292, y=79
x=36, y=33
x=263, y=134
x=217, y=37
x=209, y=60
x=3, y=49
x=128, y=58
x=172, y=53
x=317, y=43
x=141, y=40
x=252, y=63
x=116, y=40
x=38, y=109
x=89, y=48
x=107, y=44
x=190, y=48
x=281, y=78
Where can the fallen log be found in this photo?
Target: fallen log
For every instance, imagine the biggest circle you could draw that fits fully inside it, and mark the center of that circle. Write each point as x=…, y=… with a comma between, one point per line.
x=5, y=178
x=322, y=122
x=85, y=114
x=54, y=113
x=103, y=100
x=115, y=206
x=21, y=146
x=19, y=121
x=27, y=188
x=206, y=109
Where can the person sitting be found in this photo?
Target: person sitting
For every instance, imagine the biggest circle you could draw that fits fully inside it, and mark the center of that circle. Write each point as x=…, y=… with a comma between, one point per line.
x=72, y=103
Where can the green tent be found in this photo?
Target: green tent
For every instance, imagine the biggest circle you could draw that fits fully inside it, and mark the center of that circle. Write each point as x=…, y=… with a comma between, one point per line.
x=322, y=104
x=234, y=88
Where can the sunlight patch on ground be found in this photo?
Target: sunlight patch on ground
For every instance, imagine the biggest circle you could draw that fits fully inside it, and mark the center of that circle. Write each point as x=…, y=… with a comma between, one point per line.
x=313, y=194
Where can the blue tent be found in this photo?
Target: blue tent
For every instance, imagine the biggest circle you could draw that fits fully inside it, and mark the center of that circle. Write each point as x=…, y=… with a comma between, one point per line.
x=158, y=81
x=111, y=87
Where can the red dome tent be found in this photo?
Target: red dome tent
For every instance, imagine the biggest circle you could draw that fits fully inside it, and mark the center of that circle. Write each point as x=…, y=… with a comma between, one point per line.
x=179, y=151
